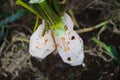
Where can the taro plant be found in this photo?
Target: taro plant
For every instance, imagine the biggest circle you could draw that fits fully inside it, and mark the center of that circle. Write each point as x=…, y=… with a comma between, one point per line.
x=55, y=33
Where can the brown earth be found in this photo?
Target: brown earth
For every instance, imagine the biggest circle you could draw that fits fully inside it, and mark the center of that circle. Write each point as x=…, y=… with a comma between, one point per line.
x=87, y=13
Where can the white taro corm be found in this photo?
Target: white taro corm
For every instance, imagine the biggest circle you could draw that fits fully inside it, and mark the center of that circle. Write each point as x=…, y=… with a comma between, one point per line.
x=41, y=46
x=68, y=21
x=69, y=45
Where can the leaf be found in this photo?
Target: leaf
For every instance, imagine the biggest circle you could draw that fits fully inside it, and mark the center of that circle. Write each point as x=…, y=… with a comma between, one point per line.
x=115, y=53
x=110, y=49
x=13, y=17
x=57, y=6
x=21, y=3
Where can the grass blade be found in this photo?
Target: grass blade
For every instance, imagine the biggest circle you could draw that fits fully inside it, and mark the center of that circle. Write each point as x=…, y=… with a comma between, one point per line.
x=110, y=49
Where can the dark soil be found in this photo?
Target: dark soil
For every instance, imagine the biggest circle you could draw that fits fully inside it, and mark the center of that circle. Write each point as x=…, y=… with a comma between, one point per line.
x=88, y=13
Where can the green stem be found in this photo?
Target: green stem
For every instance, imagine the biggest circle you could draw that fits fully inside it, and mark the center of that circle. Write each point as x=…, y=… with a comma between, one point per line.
x=52, y=16
x=93, y=28
x=36, y=24
x=42, y=13
x=21, y=3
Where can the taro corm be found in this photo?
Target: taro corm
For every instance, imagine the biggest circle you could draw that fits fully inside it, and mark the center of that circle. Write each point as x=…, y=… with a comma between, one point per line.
x=55, y=33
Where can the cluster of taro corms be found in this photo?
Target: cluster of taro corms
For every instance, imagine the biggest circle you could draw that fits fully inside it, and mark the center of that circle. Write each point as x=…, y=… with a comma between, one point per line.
x=55, y=33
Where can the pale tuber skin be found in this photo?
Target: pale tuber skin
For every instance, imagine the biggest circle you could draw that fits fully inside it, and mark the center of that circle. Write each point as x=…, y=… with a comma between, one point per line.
x=69, y=45
x=41, y=46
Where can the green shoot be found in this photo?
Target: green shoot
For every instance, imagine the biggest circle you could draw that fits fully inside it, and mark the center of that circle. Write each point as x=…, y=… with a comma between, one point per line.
x=21, y=3
x=36, y=24
x=111, y=50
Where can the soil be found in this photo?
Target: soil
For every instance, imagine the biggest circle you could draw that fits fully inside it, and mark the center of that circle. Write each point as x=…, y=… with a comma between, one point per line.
x=87, y=13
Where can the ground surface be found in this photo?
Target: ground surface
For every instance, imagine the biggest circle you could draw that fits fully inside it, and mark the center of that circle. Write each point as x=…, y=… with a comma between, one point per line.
x=17, y=64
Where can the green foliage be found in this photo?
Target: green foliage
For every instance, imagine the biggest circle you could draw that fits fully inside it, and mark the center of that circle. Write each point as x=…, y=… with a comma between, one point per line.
x=21, y=3
x=48, y=10
x=58, y=6
x=15, y=16
x=18, y=14
x=111, y=50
